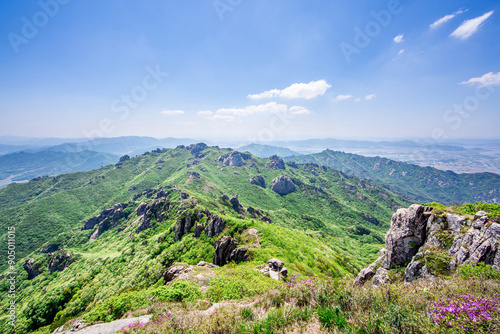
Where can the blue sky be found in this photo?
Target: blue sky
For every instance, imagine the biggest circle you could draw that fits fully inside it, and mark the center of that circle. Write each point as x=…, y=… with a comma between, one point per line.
x=250, y=69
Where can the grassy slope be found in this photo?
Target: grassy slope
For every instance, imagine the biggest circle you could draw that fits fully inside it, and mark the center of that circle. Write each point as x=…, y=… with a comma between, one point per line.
x=421, y=183
x=55, y=207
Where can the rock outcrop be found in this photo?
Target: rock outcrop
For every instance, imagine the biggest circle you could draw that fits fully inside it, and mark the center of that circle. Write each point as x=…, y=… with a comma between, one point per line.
x=60, y=262
x=227, y=250
x=31, y=268
x=105, y=220
x=258, y=181
x=274, y=269
x=196, y=149
x=235, y=203
x=233, y=159
x=147, y=211
x=275, y=163
x=418, y=236
x=213, y=226
x=406, y=235
x=283, y=185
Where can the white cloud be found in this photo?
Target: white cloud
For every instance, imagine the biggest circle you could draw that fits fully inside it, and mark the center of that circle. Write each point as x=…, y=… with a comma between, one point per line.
x=172, y=112
x=357, y=100
x=470, y=27
x=370, y=97
x=401, y=51
x=342, y=97
x=231, y=114
x=486, y=80
x=297, y=110
x=205, y=113
x=296, y=91
x=398, y=38
x=446, y=18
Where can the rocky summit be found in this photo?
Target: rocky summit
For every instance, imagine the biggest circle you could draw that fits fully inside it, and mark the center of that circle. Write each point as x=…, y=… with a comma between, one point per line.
x=427, y=243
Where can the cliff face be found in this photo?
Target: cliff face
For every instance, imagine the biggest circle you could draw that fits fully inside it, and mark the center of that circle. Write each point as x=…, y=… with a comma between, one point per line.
x=428, y=243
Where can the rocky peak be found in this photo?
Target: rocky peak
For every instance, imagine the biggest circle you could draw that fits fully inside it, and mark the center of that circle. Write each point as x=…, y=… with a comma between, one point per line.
x=283, y=185
x=275, y=163
x=233, y=159
x=197, y=148
x=417, y=234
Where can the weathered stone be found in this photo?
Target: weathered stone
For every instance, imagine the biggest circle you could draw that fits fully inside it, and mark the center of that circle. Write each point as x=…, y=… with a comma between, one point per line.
x=258, y=181
x=223, y=249
x=283, y=185
x=215, y=226
x=233, y=159
x=275, y=163
x=31, y=268
x=480, y=214
x=406, y=234
x=235, y=203
x=224, y=197
x=172, y=273
x=60, y=262
x=455, y=223
x=381, y=277
x=364, y=275
x=198, y=229
x=275, y=264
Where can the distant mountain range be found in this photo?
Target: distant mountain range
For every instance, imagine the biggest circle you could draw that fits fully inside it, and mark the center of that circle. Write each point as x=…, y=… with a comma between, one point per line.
x=412, y=181
x=265, y=151
x=22, y=166
x=425, y=184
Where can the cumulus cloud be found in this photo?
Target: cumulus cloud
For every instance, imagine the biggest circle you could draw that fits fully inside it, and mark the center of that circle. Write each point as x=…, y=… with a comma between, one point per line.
x=370, y=97
x=470, y=27
x=398, y=38
x=488, y=79
x=232, y=114
x=401, y=51
x=172, y=112
x=296, y=91
x=446, y=18
x=342, y=97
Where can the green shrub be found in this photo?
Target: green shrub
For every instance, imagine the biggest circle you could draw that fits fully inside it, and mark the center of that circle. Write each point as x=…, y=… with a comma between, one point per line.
x=115, y=307
x=481, y=270
x=438, y=262
x=178, y=292
x=224, y=288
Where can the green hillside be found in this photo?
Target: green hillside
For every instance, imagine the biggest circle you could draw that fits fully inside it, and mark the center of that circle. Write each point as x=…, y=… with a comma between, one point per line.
x=424, y=184
x=331, y=225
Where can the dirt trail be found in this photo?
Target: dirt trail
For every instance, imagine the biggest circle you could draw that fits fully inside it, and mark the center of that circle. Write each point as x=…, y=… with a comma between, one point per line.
x=108, y=328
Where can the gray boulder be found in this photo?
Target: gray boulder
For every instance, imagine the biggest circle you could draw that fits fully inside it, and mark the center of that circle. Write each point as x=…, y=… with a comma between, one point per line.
x=283, y=185
x=31, y=268
x=223, y=250
x=381, y=277
x=258, y=181
x=406, y=235
x=233, y=159
x=235, y=203
x=276, y=163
